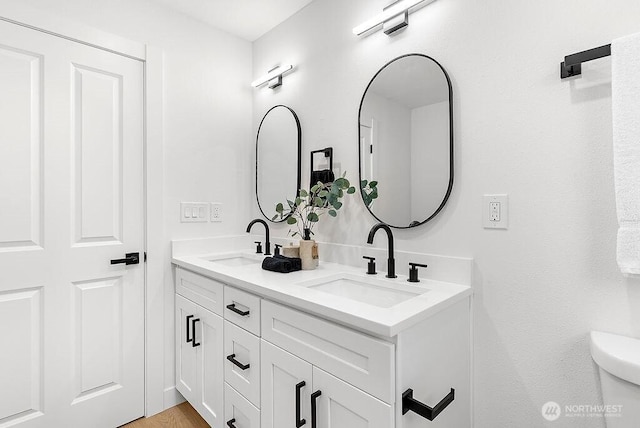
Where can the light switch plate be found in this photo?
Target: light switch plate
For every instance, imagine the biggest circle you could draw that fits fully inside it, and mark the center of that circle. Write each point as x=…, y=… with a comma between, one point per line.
x=194, y=212
x=495, y=211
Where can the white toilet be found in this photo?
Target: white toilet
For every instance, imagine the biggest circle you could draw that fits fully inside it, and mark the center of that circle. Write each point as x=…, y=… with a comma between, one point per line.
x=619, y=360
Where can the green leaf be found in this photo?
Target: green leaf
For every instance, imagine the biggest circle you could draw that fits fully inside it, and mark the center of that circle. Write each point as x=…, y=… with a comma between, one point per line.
x=363, y=184
x=279, y=208
x=292, y=220
x=332, y=213
x=316, y=187
x=303, y=193
x=313, y=217
x=298, y=202
x=351, y=190
x=323, y=193
x=337, y=205
x=340, y=193
x=373, y=184
x=318, y=202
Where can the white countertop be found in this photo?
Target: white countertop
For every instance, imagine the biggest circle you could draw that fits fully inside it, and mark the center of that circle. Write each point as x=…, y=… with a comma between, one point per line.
x=290, y=290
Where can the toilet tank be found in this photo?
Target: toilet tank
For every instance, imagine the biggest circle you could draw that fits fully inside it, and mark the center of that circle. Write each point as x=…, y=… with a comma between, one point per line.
x=618, y=358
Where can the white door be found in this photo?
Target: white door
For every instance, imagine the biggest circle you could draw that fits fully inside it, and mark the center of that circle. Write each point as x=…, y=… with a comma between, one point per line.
x=340, y=405
x=286, y=388
x=71, y=200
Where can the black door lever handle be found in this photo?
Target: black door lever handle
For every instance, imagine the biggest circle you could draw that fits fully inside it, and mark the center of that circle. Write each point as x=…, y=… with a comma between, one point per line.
x=130, y=259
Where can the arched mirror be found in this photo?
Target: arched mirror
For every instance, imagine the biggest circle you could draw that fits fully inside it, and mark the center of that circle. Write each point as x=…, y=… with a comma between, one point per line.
x=278, y=146
x=406, y=141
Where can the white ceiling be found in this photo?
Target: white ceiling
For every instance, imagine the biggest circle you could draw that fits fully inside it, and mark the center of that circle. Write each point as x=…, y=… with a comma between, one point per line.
x=248, y=19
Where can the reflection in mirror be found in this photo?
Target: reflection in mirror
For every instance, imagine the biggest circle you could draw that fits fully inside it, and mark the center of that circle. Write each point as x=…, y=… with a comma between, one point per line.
x=406, y=141
x=277, y=159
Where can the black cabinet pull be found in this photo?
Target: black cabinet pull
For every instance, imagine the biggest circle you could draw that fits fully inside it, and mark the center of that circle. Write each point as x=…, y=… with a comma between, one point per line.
x=129, y=259
x=232, y=358
x=189, y=338
x=430, y=413
x=299, y=422
x=193, y=331
x=314, y=397
x=231, y=423
x=232, y=308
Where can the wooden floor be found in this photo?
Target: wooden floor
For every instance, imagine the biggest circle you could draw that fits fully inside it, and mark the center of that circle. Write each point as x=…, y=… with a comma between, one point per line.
x=180, y=416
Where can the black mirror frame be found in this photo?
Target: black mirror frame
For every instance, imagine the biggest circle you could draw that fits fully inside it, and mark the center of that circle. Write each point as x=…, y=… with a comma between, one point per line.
x=295, y=116
x=450, y=187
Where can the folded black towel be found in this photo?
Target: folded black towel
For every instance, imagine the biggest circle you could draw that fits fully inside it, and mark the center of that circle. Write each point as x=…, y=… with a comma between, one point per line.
x=281, y=264
x=324, y=176
x=296, y=262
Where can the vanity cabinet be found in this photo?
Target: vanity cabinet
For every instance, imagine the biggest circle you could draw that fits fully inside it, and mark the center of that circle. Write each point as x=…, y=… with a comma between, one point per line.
x=199, y=358
x=199, y=348
x=280, y=367
x=295, y=393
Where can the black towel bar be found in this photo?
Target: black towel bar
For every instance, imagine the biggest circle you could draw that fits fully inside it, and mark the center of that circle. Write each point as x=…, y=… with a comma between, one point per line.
x=572, y=64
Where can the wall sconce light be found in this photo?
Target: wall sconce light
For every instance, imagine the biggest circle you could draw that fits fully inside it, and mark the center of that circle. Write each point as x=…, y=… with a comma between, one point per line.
x=273, y=77
x=393, y=18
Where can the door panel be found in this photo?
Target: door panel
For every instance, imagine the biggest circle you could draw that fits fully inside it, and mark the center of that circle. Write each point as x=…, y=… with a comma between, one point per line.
x=281, y=373
x=98, y=337
x=343, y=406
x=210, y=366
x=186, y=355
x=20, y=179
x=97, y=113
x=21, y=369
x=71, y=199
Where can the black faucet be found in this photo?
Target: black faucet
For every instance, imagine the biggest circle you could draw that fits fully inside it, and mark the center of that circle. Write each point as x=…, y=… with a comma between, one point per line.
x=267, y=244
x=391, y=262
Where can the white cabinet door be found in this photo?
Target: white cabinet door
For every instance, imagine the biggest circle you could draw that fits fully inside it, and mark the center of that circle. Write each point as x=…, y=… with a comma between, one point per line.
x=186, y=353
x=285, y=389
x=340, y=405
x=71, y=200
x=210, y=370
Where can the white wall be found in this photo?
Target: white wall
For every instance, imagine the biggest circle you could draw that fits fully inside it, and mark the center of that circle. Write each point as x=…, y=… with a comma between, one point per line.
x=208, y=141
x=542, y=285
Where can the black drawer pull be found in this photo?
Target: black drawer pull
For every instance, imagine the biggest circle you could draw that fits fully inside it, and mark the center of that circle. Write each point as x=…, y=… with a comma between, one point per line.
x=232, y=358
x=299, y=422
x=231, y=424
x=193, y=330
x=314, y=396
x=189, y=338
x=232, y=308
x=430, y=413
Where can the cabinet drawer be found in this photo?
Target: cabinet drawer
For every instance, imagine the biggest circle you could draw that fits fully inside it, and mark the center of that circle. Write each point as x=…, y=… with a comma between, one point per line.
x=242, y=362
x=363, y=361
x=242, y=309
x=238, y=412
x=204, y=291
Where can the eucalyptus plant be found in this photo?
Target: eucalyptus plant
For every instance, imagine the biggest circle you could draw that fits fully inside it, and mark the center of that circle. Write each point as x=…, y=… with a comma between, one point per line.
x=310, y=205
x=369, y=190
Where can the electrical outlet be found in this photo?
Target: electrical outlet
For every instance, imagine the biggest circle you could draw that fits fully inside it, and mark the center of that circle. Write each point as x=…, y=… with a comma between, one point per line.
x=495, y=211
x=194, y=212
x=216, y=211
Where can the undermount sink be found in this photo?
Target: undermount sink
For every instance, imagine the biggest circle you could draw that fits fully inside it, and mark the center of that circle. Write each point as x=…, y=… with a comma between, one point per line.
x=235, y=260
x=372, y=291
